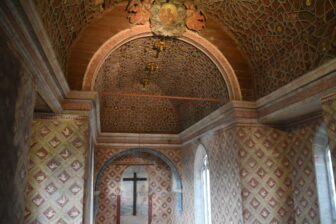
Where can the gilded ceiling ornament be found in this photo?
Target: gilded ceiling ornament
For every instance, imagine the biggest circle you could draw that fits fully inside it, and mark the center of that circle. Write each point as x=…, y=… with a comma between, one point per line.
x=160, y=46
x=195, y=19
x=139, y=11
x=167, y=18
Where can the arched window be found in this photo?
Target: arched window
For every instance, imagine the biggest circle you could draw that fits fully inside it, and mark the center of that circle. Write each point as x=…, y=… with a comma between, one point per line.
x=324, y=177
x=202, y=187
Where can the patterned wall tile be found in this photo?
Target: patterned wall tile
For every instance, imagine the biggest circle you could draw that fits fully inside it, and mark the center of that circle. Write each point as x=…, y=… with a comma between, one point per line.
x=265, y=175
x=301, y=157
x=226, y=199
x=159, y=187
x=261, y=172
x=56, y=171
x=163, y=202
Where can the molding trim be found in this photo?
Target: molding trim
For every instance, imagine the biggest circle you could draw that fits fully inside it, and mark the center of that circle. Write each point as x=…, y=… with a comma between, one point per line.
x=301, y=96
x=298, y=83
x=59, y=116
x=137, y=140
x=87, y=103
x=232, y=113
x=328, y=97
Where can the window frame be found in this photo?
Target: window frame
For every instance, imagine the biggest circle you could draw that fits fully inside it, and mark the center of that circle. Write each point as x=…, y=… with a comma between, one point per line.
x=202, y=187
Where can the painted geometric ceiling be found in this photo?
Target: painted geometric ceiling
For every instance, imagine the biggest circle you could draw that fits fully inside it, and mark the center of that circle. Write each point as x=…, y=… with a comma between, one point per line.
x=278, y=40
x=182, y=71
x=282, y=39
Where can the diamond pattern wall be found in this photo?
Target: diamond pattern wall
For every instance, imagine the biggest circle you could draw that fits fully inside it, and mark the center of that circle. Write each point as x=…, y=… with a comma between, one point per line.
x=160, y=183
x=226, y=199
x=265, y=175
x=258, y=175
x=301, y=158
x=55, y=187
x=159, y=188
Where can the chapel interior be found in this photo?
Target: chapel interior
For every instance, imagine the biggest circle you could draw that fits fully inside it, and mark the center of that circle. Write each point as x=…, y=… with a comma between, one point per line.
x=167, y=111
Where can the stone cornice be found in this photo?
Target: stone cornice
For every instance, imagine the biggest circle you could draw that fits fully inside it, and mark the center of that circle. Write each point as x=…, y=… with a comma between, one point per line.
x=226, y=116
x=328, y=97
x=60, y=116
x=301, y=96
x=84, y=102
x=138, y=140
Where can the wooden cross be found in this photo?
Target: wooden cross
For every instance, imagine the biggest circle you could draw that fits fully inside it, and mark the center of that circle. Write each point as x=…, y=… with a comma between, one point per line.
x=134, y=179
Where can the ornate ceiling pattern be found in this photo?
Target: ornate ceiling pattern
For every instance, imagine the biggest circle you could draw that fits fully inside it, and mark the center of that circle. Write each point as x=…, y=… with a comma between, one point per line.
x=283, y=39
x=182, y=71
x=63, y=20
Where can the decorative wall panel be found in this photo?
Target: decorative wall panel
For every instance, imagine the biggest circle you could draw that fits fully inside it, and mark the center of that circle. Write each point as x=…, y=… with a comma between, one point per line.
x=55, y=188
x=159, y=187
x=301, y=157
x=16, y=114
x=276, y=169
x=265, y=175
x=226, y=201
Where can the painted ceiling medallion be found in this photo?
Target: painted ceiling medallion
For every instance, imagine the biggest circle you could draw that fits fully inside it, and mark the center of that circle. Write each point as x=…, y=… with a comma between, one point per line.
x=166, y=18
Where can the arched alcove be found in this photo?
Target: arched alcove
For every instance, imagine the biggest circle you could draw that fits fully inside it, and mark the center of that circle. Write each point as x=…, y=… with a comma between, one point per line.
x=176, y=178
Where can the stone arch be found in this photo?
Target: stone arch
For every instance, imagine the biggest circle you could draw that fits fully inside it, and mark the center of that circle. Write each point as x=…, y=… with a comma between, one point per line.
x=176, y=177
x=192, y=38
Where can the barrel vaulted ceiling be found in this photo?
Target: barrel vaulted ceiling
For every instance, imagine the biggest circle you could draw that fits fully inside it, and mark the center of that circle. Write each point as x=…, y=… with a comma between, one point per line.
x=267, y=42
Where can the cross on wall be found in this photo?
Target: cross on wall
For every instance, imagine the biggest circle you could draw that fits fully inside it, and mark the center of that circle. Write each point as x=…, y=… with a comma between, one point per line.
x=134, y=179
